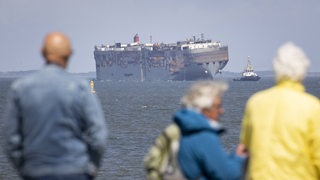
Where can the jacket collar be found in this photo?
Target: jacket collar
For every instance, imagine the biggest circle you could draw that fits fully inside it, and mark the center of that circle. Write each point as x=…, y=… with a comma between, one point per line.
x=191, y=121
x=295, y=85
x=53, y=66
x=217, y=126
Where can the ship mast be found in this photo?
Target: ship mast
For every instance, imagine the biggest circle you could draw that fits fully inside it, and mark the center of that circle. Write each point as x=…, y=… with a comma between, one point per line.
x=249, y=66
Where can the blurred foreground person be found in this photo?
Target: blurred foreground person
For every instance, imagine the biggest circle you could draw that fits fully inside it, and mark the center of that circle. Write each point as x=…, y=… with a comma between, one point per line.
x=281, y=125
x=54, y=126
x=200, y=154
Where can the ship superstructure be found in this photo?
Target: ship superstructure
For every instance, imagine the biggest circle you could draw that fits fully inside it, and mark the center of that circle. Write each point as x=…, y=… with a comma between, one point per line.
x=192, y=59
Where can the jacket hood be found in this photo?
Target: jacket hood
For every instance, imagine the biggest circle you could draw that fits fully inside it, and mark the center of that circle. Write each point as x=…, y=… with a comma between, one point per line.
x=191, y=121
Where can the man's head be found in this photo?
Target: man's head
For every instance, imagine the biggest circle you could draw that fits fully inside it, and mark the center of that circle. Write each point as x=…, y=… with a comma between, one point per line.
x=205, y=97
x=56, y=49
x=290, y=63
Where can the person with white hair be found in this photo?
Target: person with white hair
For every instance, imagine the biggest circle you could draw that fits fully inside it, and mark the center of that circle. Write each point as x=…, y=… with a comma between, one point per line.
x=201, y=155
x=281, y=125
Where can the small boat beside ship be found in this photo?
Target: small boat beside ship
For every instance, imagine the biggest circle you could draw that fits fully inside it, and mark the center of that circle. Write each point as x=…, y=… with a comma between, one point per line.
x=248, y=73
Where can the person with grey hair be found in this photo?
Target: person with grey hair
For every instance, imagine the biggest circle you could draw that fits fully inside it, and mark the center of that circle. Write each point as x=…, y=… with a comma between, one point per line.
x=281, y=125
x=201, y=155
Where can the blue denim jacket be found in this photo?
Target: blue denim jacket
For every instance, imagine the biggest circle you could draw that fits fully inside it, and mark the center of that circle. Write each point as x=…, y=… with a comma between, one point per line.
x=54, y=125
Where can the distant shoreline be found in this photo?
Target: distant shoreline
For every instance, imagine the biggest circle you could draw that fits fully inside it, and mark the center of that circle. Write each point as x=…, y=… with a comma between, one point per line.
x=18, y=74
x=92, y=75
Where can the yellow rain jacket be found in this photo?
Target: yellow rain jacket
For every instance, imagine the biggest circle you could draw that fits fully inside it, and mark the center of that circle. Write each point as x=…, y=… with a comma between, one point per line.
x=281, y=129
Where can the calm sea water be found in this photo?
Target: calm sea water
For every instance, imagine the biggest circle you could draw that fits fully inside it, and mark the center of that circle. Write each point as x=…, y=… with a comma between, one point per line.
x=137, y=112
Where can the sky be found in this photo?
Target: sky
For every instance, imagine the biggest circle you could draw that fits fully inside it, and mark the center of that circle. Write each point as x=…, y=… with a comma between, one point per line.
x=255, y=28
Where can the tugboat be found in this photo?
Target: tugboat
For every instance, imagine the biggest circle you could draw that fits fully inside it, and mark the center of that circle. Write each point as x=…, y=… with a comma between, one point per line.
x=248, y=74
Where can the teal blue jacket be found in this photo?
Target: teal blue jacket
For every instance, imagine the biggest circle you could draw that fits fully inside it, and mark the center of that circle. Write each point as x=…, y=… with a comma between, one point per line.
x=201, y=155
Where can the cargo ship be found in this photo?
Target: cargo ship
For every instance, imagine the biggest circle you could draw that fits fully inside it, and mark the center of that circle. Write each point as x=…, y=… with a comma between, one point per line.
x=189, y=60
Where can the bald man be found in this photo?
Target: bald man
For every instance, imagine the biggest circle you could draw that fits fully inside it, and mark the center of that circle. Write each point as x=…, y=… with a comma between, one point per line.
x=57, y=49
x=54, y=126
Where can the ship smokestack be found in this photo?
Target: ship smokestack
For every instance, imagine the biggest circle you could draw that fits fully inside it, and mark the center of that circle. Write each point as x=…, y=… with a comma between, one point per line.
x=136, y=38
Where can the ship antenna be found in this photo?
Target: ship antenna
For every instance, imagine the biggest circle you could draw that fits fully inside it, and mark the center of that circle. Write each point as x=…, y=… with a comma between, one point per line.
x=249, y=66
